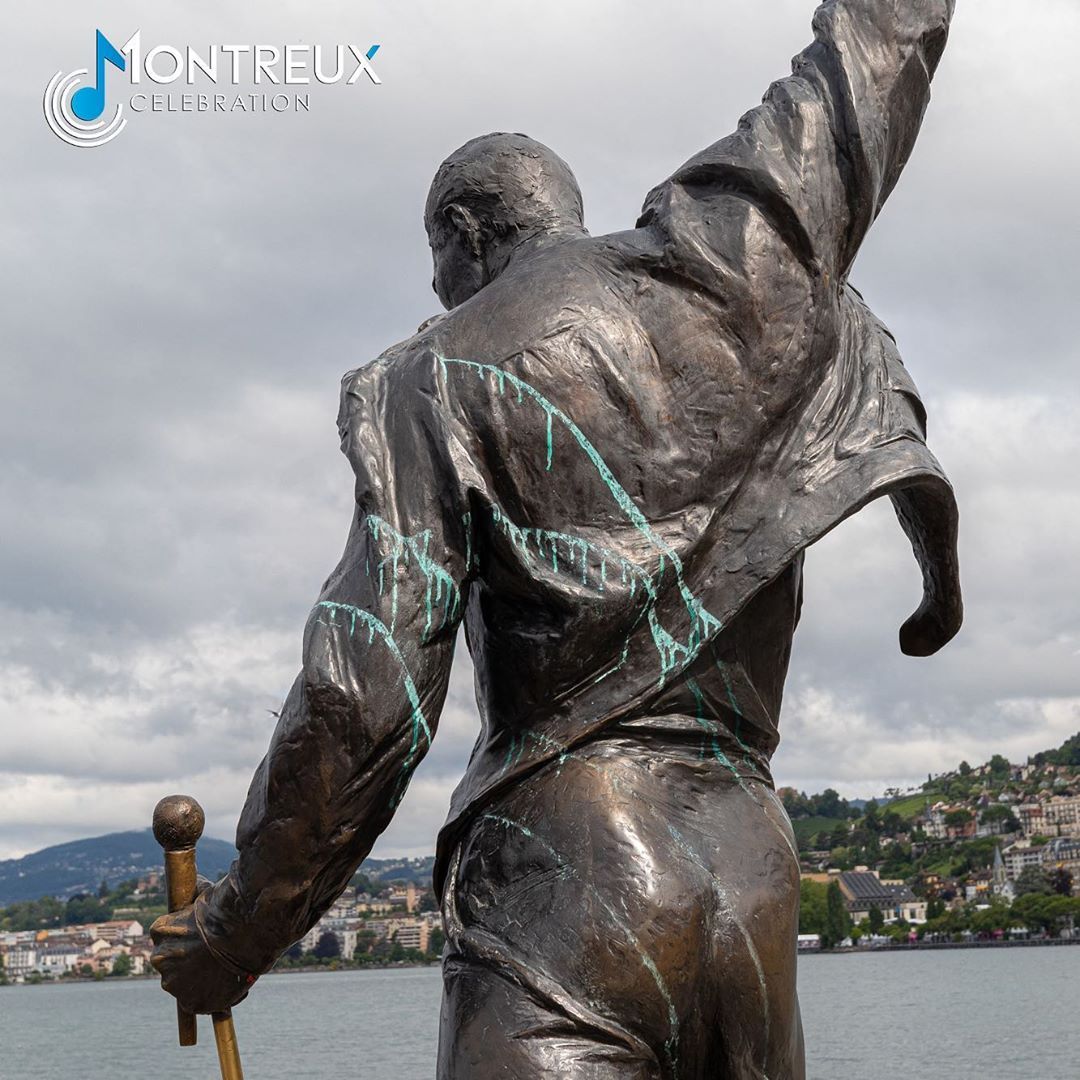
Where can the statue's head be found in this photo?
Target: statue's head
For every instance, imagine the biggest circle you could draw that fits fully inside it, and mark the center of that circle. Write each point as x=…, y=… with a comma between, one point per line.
x=488, y=198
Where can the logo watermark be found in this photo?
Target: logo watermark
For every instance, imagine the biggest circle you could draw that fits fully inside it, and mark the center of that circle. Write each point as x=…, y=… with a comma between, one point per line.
x=78, y=110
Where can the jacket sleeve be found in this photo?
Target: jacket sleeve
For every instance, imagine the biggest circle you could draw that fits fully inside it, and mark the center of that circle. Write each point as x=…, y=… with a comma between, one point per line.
x=361, y=715
x=819, y=157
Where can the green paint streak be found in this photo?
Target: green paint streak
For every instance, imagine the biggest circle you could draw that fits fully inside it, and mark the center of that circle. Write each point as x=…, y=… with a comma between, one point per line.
x=713, y=729
x=672, y=653
x=577, y=547
x=548, y=743
x=515, y=753
x=440, y=588
x=710, y=728
x=628, y=506
x=735, y=708
x=419, y=722
x=509, y=823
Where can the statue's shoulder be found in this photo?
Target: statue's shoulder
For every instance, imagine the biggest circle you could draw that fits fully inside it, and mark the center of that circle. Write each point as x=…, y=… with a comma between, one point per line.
x=401, y=380
x=397, y=363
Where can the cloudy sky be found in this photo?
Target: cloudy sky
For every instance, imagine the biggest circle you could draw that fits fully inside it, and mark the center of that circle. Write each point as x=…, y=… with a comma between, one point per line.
x=179, y=305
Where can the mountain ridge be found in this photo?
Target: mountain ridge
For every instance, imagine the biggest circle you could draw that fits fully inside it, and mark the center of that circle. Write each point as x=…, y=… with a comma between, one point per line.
x=80, y=866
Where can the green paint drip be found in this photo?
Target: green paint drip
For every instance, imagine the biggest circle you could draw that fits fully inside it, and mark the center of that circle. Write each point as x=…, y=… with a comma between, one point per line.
x=419, y=722
x=579, y=551
x=548, y=743
x=735, y=708
x=713, y=729
x=440, y=589
x=515, y=753
x=509, y=823
x=521, y=537
x=672, y=653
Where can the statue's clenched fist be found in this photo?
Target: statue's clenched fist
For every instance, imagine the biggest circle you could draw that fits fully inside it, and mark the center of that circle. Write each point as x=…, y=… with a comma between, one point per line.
x=194, y=974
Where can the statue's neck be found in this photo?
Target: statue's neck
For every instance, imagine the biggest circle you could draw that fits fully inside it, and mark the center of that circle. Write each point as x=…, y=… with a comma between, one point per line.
x=523, y=246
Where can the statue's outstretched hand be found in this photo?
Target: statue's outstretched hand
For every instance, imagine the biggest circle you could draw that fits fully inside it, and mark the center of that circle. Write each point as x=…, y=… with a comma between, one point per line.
x=199, y=980
x=933, y=626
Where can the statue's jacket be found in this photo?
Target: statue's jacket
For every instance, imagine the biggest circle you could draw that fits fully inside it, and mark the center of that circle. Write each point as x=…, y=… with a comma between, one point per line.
x=608, y=463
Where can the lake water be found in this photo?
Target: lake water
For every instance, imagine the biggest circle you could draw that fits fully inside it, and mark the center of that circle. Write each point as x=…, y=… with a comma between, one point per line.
x=994, y=1014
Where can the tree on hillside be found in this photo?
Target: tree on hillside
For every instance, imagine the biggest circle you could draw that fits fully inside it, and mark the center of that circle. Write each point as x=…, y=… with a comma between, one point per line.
x=837, y=920
x=996, y=916
x=1034, y=881
x=1067, y=754
x=436, y=941
x=327, y=947
x=365, y=943
x=122, y=966
x=32, y=914
x=964, y=769
x=1061, y=881
x=999, y=766
x=1000, y=812
x=829, y=804
x=85, y=909
x=812, y=906
x=1046, y=913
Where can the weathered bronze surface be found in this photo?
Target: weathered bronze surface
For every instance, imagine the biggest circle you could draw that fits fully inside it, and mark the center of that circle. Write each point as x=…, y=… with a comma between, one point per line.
x=606, y=459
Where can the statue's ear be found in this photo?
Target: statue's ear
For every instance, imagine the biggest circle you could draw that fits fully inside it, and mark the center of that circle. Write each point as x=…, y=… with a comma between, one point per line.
x=462, y=220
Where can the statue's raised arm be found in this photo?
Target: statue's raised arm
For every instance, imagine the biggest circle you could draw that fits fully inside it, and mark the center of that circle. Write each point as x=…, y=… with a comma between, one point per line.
x=821, y=154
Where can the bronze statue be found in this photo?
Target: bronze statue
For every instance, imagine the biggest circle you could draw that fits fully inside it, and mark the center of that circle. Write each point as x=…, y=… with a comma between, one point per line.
x=607, y=459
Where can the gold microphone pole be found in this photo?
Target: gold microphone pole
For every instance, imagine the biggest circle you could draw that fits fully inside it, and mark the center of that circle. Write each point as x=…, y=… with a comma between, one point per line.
x=178, y=824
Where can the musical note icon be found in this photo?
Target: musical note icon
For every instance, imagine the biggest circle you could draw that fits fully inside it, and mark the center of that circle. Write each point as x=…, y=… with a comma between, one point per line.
x=88, y=103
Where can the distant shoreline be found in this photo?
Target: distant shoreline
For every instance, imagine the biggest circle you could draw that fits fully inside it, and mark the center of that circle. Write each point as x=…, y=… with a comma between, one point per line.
x=1026, y=943
x=306, y=970
x=315, y=968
